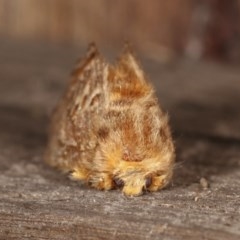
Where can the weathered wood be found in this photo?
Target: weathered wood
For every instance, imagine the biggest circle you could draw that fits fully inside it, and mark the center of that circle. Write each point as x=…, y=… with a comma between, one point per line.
x=37, y=202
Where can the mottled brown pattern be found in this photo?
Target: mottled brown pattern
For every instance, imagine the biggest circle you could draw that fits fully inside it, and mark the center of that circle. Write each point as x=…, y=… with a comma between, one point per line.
x=103, y=133
x=109, y=130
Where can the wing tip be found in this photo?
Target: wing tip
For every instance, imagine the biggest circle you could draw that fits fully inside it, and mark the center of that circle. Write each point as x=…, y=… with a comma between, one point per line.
x=91, y=54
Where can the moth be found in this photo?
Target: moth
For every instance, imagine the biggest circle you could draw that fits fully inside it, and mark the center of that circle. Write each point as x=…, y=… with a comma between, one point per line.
x=109, y=131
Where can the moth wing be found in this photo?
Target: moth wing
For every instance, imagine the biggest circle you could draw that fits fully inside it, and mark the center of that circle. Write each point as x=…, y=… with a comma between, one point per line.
x=88, y=87
x=75, y=118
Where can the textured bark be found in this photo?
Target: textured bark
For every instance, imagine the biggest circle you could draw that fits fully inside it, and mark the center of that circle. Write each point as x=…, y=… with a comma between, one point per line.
x=37, y=202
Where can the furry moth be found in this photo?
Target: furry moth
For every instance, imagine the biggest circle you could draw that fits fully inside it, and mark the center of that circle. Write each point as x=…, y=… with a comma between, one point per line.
x=109, y=130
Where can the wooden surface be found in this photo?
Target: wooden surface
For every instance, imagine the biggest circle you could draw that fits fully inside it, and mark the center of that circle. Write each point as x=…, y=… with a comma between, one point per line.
x=159, y=23
x=37, y=202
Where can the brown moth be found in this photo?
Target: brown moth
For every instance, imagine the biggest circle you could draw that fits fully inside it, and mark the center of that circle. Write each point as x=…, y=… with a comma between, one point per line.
x=109, y=129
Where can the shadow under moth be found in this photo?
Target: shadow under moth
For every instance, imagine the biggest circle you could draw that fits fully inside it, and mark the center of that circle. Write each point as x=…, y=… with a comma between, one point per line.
x=109, y=130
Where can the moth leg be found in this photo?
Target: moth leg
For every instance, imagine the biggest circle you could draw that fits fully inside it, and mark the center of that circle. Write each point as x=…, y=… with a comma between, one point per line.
x=134, y=188
x=79, y=174
x=158, y=182
x=101, y=181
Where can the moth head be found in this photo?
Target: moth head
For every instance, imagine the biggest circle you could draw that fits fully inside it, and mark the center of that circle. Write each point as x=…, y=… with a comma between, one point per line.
x=139, y=153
